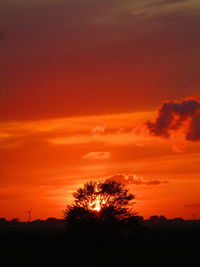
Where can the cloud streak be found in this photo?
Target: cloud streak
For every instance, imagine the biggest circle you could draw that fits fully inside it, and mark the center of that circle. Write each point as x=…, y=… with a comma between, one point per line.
x=132, y=179
x=97, y=155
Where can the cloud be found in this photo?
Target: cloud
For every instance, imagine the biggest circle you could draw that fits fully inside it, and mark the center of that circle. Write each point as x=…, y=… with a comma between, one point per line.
x=132, y=179
x=97, y=155
x=99, y=129
x=178, y=118
x=170, y=2
x=77, y=130
x=179, y=147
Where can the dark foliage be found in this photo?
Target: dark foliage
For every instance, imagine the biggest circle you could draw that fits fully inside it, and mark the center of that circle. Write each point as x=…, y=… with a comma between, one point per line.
x=100, y=208
x=49, y=244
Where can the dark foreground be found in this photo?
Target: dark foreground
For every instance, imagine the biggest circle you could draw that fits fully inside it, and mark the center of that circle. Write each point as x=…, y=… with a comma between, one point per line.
x=168, y=246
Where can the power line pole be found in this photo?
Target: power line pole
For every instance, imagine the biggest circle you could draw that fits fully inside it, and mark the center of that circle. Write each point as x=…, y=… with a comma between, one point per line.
x=29, y=215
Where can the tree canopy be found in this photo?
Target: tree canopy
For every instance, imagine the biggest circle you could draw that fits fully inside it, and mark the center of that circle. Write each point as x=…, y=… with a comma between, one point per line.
x=100, y=201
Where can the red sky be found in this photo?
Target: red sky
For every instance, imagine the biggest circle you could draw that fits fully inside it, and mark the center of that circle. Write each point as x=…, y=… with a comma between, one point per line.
x=79, y=81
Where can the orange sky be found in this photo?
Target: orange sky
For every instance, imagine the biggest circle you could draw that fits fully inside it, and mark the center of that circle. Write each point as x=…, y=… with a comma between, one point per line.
x=44, y=161
x=79, y=82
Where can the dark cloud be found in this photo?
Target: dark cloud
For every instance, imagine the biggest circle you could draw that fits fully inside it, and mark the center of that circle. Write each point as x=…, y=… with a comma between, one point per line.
x=176, y=116
x=134, y=180
x=170, y=2
x=194, y=133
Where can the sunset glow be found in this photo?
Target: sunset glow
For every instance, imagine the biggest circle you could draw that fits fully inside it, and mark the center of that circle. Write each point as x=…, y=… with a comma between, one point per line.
x=98, y=89
x=96, y=204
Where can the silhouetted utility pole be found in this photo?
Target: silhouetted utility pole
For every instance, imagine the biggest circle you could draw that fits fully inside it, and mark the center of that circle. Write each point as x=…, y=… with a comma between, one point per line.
x=29, y=214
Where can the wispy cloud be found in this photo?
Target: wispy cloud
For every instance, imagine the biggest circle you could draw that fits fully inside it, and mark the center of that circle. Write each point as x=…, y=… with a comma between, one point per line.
x=75, y=130
x=172, y=2
x=133, y=179
x=97, y=155
x=99, y=129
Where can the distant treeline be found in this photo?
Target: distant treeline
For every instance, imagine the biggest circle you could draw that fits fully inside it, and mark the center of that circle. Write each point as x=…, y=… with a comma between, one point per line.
x=51, y=222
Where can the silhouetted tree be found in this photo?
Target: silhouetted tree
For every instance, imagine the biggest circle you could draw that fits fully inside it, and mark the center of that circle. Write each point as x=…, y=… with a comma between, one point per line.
x=99, y=203
x=3, y=220
x=15, y=220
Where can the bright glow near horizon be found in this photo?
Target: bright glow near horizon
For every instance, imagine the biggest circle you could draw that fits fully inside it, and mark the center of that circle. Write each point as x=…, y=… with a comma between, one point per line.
x=79, y=82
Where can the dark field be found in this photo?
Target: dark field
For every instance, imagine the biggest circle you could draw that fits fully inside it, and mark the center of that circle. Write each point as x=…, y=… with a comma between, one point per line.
x=49, y=244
